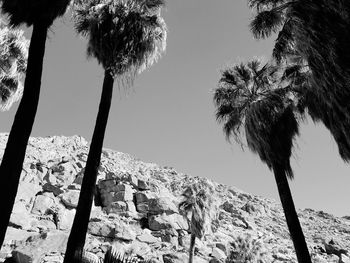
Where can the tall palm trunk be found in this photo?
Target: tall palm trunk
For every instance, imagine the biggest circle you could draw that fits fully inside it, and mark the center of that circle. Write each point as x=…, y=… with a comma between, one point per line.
x=192, y=243
x=290, y=213
x=77, y=235
x=12, y=162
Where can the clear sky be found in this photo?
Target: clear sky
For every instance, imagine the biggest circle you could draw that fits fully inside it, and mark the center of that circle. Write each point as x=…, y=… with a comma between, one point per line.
x=168, y=116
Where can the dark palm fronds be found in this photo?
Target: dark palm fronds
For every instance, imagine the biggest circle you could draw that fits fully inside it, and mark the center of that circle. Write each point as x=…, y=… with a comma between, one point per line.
x=284, y=44
x=30, y=12
x=321, y=34
x=256, y=101
x=267, y=22
x=123, y=36
x=13, y=60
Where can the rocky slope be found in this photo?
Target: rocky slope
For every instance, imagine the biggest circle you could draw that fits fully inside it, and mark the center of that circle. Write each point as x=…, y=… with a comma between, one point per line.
x=136, y=208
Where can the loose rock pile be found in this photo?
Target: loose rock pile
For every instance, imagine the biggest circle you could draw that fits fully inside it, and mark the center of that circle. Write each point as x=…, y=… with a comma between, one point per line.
x=136, y=208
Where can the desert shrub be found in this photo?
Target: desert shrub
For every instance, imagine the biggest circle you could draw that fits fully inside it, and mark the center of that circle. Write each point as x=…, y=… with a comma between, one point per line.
x=245, y=249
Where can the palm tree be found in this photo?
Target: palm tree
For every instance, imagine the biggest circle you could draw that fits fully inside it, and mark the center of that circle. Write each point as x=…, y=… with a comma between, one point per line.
x=317, y=32
x=40, y=14
x=125, y=37
x=196, y=203
x=254, y=101
x=13, y=60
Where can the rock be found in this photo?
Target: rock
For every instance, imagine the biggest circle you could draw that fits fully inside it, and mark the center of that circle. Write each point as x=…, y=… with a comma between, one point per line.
x=101, y=228
x=117, y=207
x=65, y=219
x=164, y=221
x=20, y=217
x=33, y=249
x=70, y=198
x=47, y=187
x=143, y=185
x=62, y=174
x=142, y=200
x=162, y=205
x=253, y=208
x=124, y=232
x=131, y=206
x=124, y=192
x=107, y=186
x=147, y=237
x=132, y=179
x=42, y=204
x=218, y=253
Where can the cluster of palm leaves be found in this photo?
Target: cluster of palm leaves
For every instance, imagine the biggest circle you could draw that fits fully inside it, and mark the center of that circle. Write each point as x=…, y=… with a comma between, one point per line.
x=113, y=255
x=246, y=249
x=13, y=62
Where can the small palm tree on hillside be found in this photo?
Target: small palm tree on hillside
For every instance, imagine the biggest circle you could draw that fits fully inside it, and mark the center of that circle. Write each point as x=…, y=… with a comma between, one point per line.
x=13, y=61
x=196, y=204
x=318, y=33
x=125, y=37
x=254, y=101
x=40, y=14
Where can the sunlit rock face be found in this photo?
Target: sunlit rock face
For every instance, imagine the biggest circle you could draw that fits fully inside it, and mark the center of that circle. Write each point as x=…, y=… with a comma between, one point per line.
x=136, y=207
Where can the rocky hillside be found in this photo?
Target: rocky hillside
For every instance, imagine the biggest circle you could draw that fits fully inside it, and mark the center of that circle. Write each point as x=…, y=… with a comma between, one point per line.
x=136, y=208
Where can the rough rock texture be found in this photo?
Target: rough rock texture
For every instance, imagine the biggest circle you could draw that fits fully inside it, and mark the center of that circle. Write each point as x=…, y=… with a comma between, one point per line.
x=136, y=207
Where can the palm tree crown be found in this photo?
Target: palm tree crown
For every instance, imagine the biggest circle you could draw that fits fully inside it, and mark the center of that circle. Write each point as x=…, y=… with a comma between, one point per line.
x=124, y=36
x=252, y=100
x=196, y=204
x=33, y=11
x=13, y=60
x=317, y=32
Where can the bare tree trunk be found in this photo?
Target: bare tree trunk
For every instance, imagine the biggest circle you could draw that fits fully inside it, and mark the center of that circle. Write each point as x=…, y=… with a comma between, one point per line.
x=77, y=235
x=191, y=251
x=12, y=161
x=291, y=215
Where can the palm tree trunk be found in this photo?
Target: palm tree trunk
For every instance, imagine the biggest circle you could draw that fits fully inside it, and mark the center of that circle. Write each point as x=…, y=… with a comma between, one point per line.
x=291, y=215
x=192, y=243
x=77, y=235
x=12, y=161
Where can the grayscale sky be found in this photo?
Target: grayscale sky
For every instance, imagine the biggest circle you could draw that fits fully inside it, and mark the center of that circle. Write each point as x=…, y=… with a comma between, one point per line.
x=168, y=116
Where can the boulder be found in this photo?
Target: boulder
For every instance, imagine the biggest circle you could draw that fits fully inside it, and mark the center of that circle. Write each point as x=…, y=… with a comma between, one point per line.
x=101, y=228
x=35, y=247
x=147, y=237
x=218, y=253
x=20, y=217
x=65, y=219
x=43, y=203
x=62, y=174
x=143, y=185
x=124, y=192
x=107, y=186
x=117, y=207
x=162, y=205
x=70, y=198
x=159, y=222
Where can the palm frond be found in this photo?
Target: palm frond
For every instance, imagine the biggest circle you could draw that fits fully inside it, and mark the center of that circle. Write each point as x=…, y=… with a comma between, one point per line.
x=30, y=11
x=13, y=59
x=267, y=22
x=123, y=36
x=256, y=101
x=284, y=44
